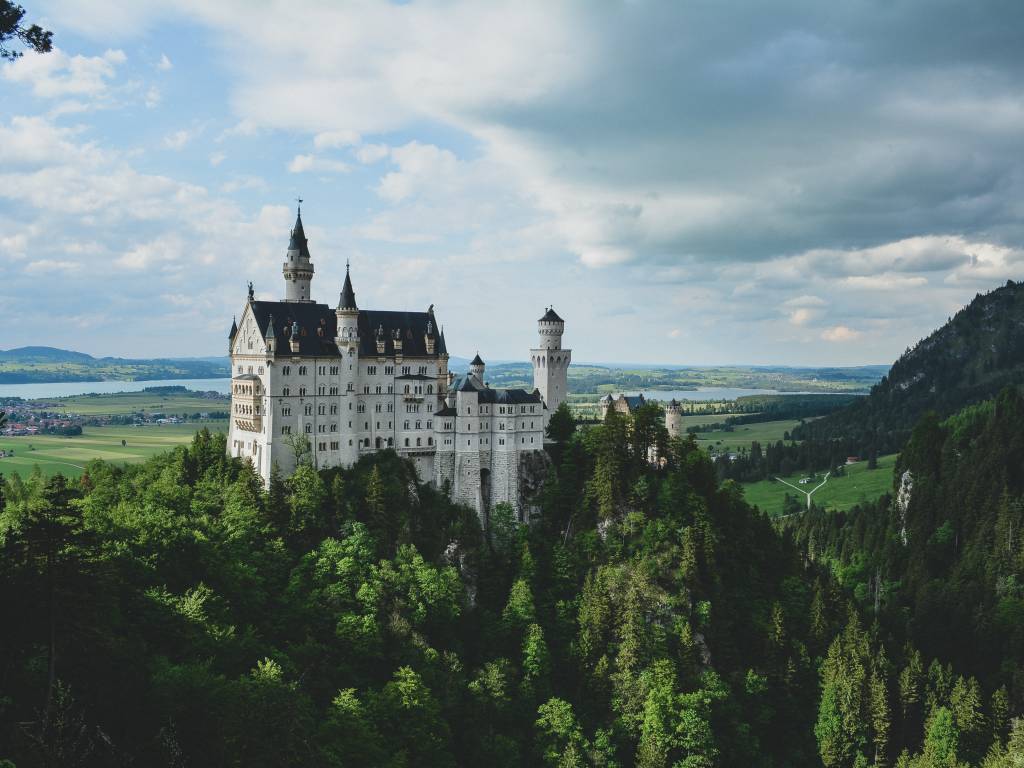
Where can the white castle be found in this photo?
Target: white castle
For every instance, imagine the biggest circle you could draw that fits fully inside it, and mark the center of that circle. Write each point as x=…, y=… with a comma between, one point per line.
x=353, y=381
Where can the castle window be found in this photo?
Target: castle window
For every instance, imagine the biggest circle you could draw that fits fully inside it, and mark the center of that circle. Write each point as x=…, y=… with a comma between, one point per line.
x=371, y=370
x=407, y=389
x=351, y=387
x=285, y=391
x=391, y=442
x=261, y=370
x=334, y=370
x=379, y=407
x=430, y=389
x=391, y=389
x=418, y=424
x=322, y=410
x=350, y=443
x=239, y=369
x=308, y=410
x=321, y=428
x=419, y=441
x=334, y=427
x=286, y=430
x=366, y=425
x=323, y=446
x=334, y=409
x=405, y=370
x=333, y=391
x=320, y=370
x=309, y=429
x=302, y=391
x=406, y=424
x=430, y=424
x=378, y=389
x=321, y=390
x=302, y=370
x=391, y=407
x=334, y=446
x=407, y=442
x=389, y=370
x=286, y=411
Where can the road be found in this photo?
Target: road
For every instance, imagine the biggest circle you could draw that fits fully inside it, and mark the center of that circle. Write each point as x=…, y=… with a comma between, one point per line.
x=809, y=493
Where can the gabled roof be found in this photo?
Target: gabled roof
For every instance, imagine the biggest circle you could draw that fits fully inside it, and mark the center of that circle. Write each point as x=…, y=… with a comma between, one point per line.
x=551, y=316
x=410, y=326
x=476, y=360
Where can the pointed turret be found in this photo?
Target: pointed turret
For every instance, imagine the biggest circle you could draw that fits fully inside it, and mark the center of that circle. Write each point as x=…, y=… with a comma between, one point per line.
x=348, y=296
x=270, y=337
x=297, y=268
x=476, y=368
x=234, y=329
x=442, y=348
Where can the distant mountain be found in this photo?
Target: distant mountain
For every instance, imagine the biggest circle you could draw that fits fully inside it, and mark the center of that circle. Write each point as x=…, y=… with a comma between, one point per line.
x=969, y=359
x=44, y=355
x=26, y=365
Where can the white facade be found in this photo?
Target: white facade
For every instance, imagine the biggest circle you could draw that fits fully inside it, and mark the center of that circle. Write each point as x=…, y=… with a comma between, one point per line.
x=353, y=382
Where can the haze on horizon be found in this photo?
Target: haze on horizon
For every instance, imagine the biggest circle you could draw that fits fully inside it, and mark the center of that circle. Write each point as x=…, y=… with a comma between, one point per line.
x=689, y=184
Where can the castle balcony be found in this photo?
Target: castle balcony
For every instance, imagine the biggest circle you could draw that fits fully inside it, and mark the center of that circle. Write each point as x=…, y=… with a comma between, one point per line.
x=249, y=424
x=410, y=397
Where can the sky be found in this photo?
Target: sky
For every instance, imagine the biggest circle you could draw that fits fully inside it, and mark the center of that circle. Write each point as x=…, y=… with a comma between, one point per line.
x=690, y=183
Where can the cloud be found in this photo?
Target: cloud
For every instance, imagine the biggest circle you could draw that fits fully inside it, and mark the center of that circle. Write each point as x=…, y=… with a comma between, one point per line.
x=180, y=138
x=216, y=158
x=372, y=153
x=59, y=75
x=49, y=266
x=153, y=97
x=304, y=163
x=164, y=65
x=332, y=139
x=840, y=333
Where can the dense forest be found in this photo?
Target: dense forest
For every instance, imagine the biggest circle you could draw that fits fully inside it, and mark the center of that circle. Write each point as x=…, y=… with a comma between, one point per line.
x=177, y=614
x=971, y=358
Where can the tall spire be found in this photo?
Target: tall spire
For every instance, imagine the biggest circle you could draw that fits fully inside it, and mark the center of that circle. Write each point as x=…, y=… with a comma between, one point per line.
x=298, y=241
x=348, y=296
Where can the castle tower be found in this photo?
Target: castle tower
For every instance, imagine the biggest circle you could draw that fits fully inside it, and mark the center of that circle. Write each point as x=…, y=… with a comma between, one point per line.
x=476, y=369
x=550, y=361
x=297, y=268
x=347, y=341
x=674, y=418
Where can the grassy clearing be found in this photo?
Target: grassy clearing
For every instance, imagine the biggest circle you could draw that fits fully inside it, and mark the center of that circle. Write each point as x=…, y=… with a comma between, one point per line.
x=68, y=455
x=134, y=402
x=858, y=484
x=742, y=435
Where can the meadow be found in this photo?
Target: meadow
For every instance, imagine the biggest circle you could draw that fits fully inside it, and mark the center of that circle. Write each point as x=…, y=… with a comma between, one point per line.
x=741, y=436
x=177, y=403
x=856, y=485
x=68, y=455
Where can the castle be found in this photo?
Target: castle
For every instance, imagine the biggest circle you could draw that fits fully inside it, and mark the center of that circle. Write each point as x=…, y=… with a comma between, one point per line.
x=629, y=403
x=348, y=382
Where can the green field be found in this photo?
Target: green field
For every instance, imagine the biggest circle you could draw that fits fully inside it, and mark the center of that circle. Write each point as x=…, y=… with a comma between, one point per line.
x=68, y=455
x=858, y=484
x=134, y=402
x=742, y=435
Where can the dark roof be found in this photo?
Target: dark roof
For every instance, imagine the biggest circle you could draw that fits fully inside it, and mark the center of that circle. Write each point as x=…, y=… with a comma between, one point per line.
x=348, y=296
x=476, y=360
x=320, y=326
x=234, y=329
x=447, y=411
x=411, y=326
x=270, y=328
x=673, y=402
x=416, y=376
x=634, y=401
x=551, y=316
x=442, y=348
x=298, y=240
x=467, y=386
x=509, y=396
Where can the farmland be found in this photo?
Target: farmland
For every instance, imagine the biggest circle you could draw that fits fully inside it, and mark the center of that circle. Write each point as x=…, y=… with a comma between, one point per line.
x=68, y=455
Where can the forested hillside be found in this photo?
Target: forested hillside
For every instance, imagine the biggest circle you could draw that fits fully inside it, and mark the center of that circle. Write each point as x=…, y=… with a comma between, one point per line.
x=943, y=560
x=175, y=614
x=971, y=358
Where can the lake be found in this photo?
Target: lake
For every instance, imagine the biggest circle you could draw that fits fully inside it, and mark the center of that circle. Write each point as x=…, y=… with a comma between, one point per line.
x=711, y=393
x=70, y=388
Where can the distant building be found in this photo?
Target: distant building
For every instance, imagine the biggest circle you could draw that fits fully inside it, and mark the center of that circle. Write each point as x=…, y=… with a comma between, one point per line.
x=353, y=381
x=629, y=403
